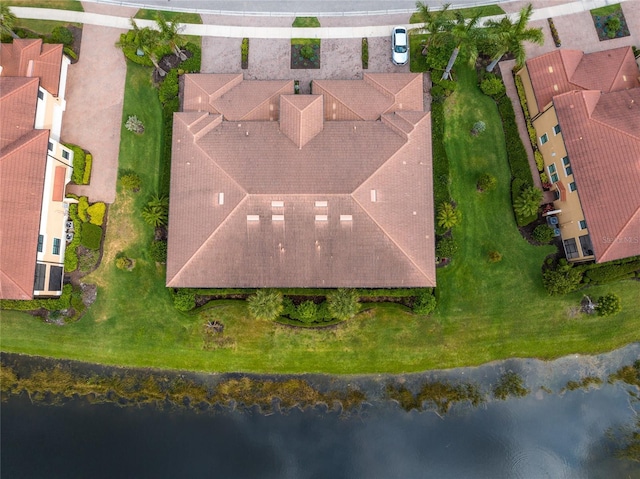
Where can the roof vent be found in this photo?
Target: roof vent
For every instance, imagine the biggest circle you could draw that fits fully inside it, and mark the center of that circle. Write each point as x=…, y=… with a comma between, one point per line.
x=374, y=196
x=277, y=217
x=321, y=204
x=277, y=204
x=555, y=87
x=253, y=217
x=550, y=69
x=221, y=199
x=321, y=218
x=346, y=218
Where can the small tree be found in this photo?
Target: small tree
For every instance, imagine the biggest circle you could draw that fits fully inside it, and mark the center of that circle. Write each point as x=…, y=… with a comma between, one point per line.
x=265, y=304
x=7, y=20
x=307, y=52
x=134, y=124
x=486, y=182
x=528, y=203
x=608, y=305
x=343, y=303
x=612, y=26
x=156, y=212
x=561, y=281
x=478, y=127
x=448, y=216
x=425, y=302
x=492, y=86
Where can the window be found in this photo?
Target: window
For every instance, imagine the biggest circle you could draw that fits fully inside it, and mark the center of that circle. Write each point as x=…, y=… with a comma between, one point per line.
x=65, y=154
x=583, y=225
x=40, y=243
x=552, y=173
x=572, y=186
x=40, y=94
x=554, y=178
x=585, y=244
x=55, y=278
x=571, y=248
x=556, y=129
x=41, y=272
x=50, y=146
x=567, y=166
x=56, y=245
x=544, y=138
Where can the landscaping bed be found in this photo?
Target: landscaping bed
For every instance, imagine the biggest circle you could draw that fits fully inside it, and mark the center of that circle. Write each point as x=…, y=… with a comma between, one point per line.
x=610, y=23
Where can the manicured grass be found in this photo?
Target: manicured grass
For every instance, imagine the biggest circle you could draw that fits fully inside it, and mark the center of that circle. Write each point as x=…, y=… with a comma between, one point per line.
x=306, y=22
x=305, y=41
x=606, y=10
x=486, y=311
x=73, y=5
x=180, y=17
x=486, y=11
x=42, y=27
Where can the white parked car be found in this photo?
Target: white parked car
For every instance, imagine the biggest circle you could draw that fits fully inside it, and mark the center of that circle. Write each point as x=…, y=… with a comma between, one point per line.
x=400, y=46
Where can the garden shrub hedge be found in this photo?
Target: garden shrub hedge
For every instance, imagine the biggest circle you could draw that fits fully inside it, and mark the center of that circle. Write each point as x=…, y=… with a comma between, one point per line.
x=83, y=205
x=95, y=213
x=244, y=53
x=50, y=304
x=91, y=236
x=88, y=164
x=608, y=273
x=516, y=155
x=365, y=53
x=441, y=193
x=79, y=163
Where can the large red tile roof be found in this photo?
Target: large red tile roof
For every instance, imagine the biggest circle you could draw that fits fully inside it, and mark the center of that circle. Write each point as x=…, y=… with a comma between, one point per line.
x=23, y=154
x=561, y=71
x=289, y=202
x=32, y=58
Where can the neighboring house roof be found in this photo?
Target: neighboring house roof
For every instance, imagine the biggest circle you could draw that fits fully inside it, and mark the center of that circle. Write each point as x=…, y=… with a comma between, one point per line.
x=601, y=133
x=32, y=58
x=561, y=71
x=23, y=153
x=287, y=199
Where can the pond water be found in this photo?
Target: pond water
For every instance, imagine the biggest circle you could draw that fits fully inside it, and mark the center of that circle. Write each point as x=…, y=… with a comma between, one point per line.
x=547, y=434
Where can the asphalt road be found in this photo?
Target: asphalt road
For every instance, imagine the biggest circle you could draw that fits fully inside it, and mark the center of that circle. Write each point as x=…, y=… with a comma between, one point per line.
x=283, y=7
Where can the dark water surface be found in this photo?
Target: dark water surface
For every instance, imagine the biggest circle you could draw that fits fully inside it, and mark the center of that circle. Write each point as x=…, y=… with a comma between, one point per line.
x=559, y=434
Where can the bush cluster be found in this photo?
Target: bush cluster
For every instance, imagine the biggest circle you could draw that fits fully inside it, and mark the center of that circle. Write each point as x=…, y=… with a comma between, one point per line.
x=168, y=89
x=91, y=236
x=446, y=247
x=495, y=256
x=158, y=251
x=62, y=35
x=130, y=180
x=492, y=86
x=517, y=155
x=306, y=312
x=83, y=206
x=486, y=182
x=365, y=53
x=610, y=272
x=425, y=302
x=608, y=305
x=79, y=163
x=50, y=304
x=542, y=234
x=95, y=213
x=561, y=280
x=184, y=299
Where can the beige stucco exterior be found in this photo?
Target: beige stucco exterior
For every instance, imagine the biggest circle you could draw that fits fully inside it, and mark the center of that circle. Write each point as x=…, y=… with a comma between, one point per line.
x=557, y=166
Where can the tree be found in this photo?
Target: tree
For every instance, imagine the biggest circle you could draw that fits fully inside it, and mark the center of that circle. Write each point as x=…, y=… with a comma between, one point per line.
x=7, y=20
x=170, y=36
x=561, y=281
x=425, y=302
x=436, y=23
x=528, y=203
x=466, y=35
x=507, y=36
x=155, y=215
x=265, y=304
x=448, y=216
x=144, y=39
x=343, y=303
x=608, y=305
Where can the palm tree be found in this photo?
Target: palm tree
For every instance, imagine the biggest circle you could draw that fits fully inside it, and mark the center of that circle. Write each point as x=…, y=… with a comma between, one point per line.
x=145, y=39
x=528, y=203
x=507, y=36
x=448, y=216
x=343, y=303
x=434, y=22
x=7, y=20
x=466, y=36
x=265, y=304
x=155, y=215
x=169, y=35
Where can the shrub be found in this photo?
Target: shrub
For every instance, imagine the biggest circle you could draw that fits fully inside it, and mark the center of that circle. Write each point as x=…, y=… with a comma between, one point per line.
x=544, y=179
x=70, y=254
x=441, y=192
x=425, y=302
x=123, y=262
x=62, y=35
x=83, y=206
x=539, y=158
x=96, y=212
x=307, y=52
x=365, y=53
x=492, y=86
x=244, y=52
x=91, y=236
x=528, y=203
x=612, y=26
x=554, y=33
x=486, y=182
x=343, y=303
x=184, y=299
x=608, y=305
x=134, y=124
x=307, y=312
x=542, y=234
x=561, y=281
x=50, y=304
x=70, y=53
x=478, y=127
x=168, y=88
x=158, y=251
x=192, y=64
x=608, y=273
x=130, y=180
x=446, y=247
x=78, y=163
x=86, y=176
x=266, y=304
x=495, y=256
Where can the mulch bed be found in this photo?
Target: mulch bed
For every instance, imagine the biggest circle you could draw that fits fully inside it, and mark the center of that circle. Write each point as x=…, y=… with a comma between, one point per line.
x=298, y=62
x=600, y=22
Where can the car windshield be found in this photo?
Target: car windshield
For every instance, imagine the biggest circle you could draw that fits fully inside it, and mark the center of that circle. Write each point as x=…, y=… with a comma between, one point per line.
x=401, y=49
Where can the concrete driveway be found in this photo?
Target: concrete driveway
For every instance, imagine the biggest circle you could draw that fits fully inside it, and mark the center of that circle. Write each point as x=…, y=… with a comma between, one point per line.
x=95, y=95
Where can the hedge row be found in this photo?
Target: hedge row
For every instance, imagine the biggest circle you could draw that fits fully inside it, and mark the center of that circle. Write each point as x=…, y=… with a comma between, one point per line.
x=441, y=193
x=79, y=164
x=516, y=155
x=50, y=304
x=364, y=293
x=607, y=273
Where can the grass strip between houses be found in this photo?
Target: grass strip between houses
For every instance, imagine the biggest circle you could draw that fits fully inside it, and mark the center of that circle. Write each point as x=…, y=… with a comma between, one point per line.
x=487, y=311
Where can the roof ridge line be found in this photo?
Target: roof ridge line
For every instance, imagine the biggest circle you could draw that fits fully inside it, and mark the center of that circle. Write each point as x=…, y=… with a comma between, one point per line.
x=191, y=259
x=624, y=57
x=391, y=238
x=233, y=180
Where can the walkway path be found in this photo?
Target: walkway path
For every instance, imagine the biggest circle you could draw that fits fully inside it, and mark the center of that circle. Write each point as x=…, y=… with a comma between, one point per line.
x=95, y=95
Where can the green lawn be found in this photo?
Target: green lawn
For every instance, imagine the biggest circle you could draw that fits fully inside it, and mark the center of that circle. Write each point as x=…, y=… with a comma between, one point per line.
x=42, y=27
x=606, y=10
x=486, y=11
x=306, y=22
x=180, y=17
x=73, y=5
x=486, y=311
